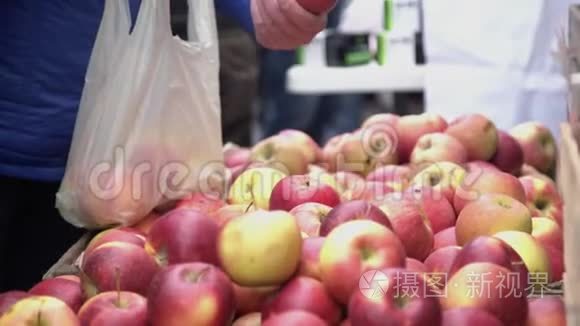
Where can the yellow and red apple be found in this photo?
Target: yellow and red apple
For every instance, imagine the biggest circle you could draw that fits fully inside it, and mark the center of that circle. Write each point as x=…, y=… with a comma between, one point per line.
x=260, y=248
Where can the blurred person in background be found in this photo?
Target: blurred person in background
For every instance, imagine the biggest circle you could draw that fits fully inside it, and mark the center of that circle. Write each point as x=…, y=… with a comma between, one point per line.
x=496, y=58
x=44, y=52
x=321, y=116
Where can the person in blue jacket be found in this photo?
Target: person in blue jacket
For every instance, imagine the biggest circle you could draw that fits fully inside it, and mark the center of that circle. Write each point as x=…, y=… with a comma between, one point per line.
x=44, y=52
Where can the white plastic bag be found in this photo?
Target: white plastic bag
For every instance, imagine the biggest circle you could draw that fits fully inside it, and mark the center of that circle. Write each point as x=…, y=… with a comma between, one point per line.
x=148, y=129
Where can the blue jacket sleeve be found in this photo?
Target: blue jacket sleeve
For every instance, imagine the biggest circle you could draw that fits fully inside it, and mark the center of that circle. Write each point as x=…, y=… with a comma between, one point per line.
x=239, y=10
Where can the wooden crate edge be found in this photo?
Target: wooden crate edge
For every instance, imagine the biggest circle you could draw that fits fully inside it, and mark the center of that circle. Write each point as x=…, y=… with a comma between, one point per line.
x=569, y=184
x=66, y=265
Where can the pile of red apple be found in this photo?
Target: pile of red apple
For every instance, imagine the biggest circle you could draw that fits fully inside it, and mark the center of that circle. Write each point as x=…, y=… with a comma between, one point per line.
x=407, y=221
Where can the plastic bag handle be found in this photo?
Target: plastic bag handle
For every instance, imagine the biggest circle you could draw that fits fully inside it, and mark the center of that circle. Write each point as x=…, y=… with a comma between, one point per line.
x=201, y=22
x=114, y=27
x=153, y=20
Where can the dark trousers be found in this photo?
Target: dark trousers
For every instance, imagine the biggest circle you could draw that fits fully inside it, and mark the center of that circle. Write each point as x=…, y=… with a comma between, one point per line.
x=33, y=235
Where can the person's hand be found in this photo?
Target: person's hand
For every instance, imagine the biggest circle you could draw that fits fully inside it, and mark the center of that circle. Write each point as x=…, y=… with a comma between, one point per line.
x=284, y=24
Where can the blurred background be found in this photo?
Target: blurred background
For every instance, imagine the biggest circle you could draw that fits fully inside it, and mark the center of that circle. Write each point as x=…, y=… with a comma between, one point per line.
x=397, y=56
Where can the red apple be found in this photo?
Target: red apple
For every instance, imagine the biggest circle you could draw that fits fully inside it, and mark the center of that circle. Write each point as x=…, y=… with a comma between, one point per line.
x=477, y=134
x=117, y=266
x=7, y=299
x=410, y=225
x=251, y=319
x=437, y=147
x=353, y=210
x=469, y=317
x=490, y=214
x=484, y=286
x=538, y=144
x=232, y=174
x=39, y=310
x=310, y=259
x=443, y=177
x=480, y=167
x=117, y=234
x=299, y=189
x=381, y=118
x=543, y=198
x=145, y=224
x=294, y=318
x=371, y=191
x=115, y=308
x=557, y=268
x=235, y=155
x=392, y=175
x=547, y=311
x=73, y=278
x=229, y=212
x=191, y=294
x=547, y=232
x=184, y=235
x=204, y=202
x=488, y=182
x=394, y=296
x=415, y=266
x=509, y=156
x=280, y=153
x=492, y=250
x=532, y=253
x=331, y=152
x=66, y=290
x=352, y=249
x=350, y=185
x=306, y=294
x=260, y=248
x=439, y=265
x=254, y=187
x=436, y=208
x=363, y=150
x=310, y=216
x=309, y=147
x=252, y=299
x=411, y=127
x=444, y=238
x=116, y=190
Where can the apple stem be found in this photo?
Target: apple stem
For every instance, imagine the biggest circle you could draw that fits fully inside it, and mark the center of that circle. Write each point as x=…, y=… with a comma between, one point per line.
x=118, y=284
x=249, y=206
